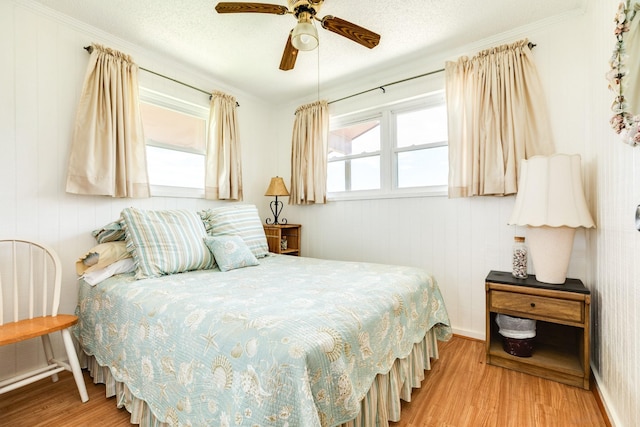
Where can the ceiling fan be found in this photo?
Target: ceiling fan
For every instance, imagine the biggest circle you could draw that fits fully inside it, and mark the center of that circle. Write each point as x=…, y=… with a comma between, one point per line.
x=304, y=35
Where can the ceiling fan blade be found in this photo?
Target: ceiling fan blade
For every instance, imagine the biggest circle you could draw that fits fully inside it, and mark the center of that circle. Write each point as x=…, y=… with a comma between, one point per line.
x=289, y=55
x=351, y=31
x=238, y=7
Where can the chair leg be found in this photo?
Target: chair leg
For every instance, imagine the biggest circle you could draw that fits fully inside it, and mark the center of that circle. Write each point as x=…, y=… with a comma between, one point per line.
x=75, y=365
x=48, y=352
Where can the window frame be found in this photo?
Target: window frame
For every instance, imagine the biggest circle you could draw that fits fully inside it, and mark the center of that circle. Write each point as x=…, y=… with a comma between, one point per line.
x=389, y=149
x=185, y=107
x=353, y=120
x=409, y=107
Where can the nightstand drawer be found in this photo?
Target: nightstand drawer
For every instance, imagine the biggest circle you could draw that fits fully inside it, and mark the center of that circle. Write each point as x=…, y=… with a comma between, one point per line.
x=561, y=309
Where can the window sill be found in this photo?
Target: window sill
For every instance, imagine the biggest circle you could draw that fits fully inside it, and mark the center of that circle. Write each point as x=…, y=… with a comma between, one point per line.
x=440, y=191
x=183, y=192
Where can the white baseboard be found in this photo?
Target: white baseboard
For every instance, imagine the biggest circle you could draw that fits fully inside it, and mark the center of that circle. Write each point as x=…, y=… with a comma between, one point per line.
x=468, y=333
x=604, y=396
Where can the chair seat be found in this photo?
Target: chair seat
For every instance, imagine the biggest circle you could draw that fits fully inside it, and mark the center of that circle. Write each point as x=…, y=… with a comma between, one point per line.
x=30, y=328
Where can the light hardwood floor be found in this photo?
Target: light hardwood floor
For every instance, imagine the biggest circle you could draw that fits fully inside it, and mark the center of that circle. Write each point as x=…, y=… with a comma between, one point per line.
x=460, y=390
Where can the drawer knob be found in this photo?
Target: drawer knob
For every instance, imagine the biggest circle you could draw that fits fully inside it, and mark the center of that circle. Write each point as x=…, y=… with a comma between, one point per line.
x=533, y=304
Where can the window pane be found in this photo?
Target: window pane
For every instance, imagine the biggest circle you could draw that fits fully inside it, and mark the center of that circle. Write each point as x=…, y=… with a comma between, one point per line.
x=170, y=127
x=423, y=167
x=422, y=126
x=365, y=173
x=355, y=139
x=175, y=168
x=335, y=177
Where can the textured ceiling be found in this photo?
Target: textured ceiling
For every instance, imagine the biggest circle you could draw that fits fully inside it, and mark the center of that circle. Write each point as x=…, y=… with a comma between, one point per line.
x=244, y=50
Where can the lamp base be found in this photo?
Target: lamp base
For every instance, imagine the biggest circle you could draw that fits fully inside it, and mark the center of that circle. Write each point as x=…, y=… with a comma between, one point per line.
x=550, y=249
x=276, y=210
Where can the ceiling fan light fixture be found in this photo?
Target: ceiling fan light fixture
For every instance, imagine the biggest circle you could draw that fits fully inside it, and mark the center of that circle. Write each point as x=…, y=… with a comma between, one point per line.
x=304, y=36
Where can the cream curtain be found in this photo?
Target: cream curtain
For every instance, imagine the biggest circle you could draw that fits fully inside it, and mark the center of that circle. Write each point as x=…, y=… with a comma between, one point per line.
x=223, y=174
x=309, y=154
x=497, y=116
x=108, y=154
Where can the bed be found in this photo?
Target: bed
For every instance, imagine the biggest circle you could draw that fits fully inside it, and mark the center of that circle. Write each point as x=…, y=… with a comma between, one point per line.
x=282, y=341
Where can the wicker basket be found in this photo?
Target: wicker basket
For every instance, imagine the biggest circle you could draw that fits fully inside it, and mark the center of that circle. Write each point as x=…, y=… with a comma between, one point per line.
x=518, y=334
x=521, y=347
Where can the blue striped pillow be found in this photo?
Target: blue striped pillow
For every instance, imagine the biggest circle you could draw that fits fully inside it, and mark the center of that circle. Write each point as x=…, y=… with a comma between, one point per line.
x=237, y=220
x=112, y=232
x=166, y=242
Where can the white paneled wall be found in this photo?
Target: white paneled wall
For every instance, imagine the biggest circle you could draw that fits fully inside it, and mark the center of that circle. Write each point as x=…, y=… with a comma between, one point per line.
x=616, y=287
x=41, y=77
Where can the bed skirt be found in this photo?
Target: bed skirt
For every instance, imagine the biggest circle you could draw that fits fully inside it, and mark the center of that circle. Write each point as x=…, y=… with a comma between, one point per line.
x=380, y=405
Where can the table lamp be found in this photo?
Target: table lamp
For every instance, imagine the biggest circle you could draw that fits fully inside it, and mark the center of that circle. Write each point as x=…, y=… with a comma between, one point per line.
x=551, y=203
x=276, y=188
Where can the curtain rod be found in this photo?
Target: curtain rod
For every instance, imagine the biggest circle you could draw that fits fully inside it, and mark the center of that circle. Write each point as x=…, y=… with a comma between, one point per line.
x=90, y=49
x=382, y=88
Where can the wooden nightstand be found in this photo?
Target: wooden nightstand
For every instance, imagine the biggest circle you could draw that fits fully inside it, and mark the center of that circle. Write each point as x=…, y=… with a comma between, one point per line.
x=275, y=235
x=561, y=347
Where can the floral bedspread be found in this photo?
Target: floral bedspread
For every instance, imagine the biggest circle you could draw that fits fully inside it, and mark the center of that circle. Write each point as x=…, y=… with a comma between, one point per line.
x=291, y=342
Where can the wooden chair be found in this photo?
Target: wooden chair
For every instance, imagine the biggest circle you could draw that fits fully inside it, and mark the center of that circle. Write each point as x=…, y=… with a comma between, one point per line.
x=29, y=302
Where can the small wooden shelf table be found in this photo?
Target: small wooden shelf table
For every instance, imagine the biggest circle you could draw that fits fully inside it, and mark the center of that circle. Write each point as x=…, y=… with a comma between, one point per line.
x=277, y=233
x=561, y=347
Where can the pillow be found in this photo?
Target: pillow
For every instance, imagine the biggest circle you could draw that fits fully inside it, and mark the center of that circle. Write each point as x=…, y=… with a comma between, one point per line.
x=101, y=256
x=166, y=242
x=112, y=232
x=230, y=252
x=123, y=266
x=237, y=220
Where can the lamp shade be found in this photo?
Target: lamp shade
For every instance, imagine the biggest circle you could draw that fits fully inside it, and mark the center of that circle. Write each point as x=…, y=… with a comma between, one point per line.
x=550, y=193
x=551, y=203
x=277, y=187
x=304, y=36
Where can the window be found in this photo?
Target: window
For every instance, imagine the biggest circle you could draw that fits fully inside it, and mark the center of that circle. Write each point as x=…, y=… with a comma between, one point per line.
x=175, y=133
x=396, y=149
x=354, y=157
x=421, y=150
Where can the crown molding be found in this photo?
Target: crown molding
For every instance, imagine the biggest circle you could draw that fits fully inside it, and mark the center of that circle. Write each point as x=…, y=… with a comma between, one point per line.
x=424, y=62
x=134, y=50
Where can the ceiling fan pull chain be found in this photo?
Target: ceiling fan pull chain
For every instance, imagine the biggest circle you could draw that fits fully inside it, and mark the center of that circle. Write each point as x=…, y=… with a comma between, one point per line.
x=318, y=71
